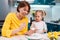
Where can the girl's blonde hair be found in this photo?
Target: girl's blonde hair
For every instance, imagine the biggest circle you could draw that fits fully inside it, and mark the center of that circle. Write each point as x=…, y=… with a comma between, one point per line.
x=43, y=12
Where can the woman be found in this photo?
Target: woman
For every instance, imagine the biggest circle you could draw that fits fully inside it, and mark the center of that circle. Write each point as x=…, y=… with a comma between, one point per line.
x=17, y=23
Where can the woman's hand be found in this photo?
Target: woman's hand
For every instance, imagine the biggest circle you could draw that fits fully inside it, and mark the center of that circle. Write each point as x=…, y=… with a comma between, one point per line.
x=22, y=26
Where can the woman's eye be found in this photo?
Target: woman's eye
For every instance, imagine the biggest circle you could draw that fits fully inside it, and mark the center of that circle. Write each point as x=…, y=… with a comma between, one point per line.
x=24, y=9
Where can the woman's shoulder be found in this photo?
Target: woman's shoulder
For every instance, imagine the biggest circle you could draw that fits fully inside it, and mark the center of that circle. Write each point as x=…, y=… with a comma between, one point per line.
x=11, y=14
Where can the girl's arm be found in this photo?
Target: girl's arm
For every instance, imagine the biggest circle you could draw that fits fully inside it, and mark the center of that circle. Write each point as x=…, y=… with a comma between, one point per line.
x=32, y=30
x=45, y=27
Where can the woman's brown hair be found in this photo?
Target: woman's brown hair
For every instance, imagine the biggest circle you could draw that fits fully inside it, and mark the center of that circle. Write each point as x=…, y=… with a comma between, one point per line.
x=23, y=4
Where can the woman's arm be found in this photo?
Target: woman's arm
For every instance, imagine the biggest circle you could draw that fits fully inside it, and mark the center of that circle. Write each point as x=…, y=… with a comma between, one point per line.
x=6, y=31
x=22, y=26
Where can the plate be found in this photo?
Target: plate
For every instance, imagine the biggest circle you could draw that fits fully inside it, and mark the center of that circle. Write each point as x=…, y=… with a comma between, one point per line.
x=34, y=36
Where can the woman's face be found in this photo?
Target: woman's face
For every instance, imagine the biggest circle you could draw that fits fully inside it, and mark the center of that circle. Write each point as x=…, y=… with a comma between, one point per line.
x=23, y=11
x=38, y=16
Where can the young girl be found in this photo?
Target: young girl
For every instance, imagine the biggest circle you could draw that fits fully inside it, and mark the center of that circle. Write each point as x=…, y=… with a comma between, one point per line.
x=38, y=26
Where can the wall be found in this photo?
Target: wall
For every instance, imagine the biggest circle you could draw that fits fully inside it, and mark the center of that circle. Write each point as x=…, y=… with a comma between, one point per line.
x=4, y=9
x=56, y=12
x=52, y=13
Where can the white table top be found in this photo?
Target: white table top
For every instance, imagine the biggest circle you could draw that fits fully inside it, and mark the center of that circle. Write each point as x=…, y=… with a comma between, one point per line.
x=21, y=37
x=14, y=38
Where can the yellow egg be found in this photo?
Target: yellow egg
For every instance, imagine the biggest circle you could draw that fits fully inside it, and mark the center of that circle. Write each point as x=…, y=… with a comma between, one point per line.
x=49, y=34
x=53, y=34
x=58, y=33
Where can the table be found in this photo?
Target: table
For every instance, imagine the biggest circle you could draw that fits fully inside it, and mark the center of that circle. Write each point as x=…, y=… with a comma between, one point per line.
x=39, y=36
x=20, y=37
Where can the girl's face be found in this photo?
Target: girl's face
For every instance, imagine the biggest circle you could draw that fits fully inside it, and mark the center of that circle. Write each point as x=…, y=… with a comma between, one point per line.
x=38, y=16
x=23, y=11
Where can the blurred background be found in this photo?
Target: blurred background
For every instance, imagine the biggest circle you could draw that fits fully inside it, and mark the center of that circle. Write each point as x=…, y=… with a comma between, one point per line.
x=52, y=7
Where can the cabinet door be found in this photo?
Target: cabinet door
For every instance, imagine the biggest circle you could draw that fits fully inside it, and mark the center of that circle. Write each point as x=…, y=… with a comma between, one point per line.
x=49, y=27
x=53, y=27
x=58, y=27
x=44, y=2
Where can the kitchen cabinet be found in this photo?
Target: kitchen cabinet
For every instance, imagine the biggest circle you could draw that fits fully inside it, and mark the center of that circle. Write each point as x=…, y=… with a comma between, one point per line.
x=53, y=27
x=44, y=2
x=32, y=2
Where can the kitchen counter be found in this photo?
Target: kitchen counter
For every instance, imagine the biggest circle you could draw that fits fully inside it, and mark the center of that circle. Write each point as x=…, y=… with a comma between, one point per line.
x=53, y=23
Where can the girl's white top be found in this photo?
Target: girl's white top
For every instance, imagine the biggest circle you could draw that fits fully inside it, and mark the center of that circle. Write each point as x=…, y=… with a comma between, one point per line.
x=40, y=26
